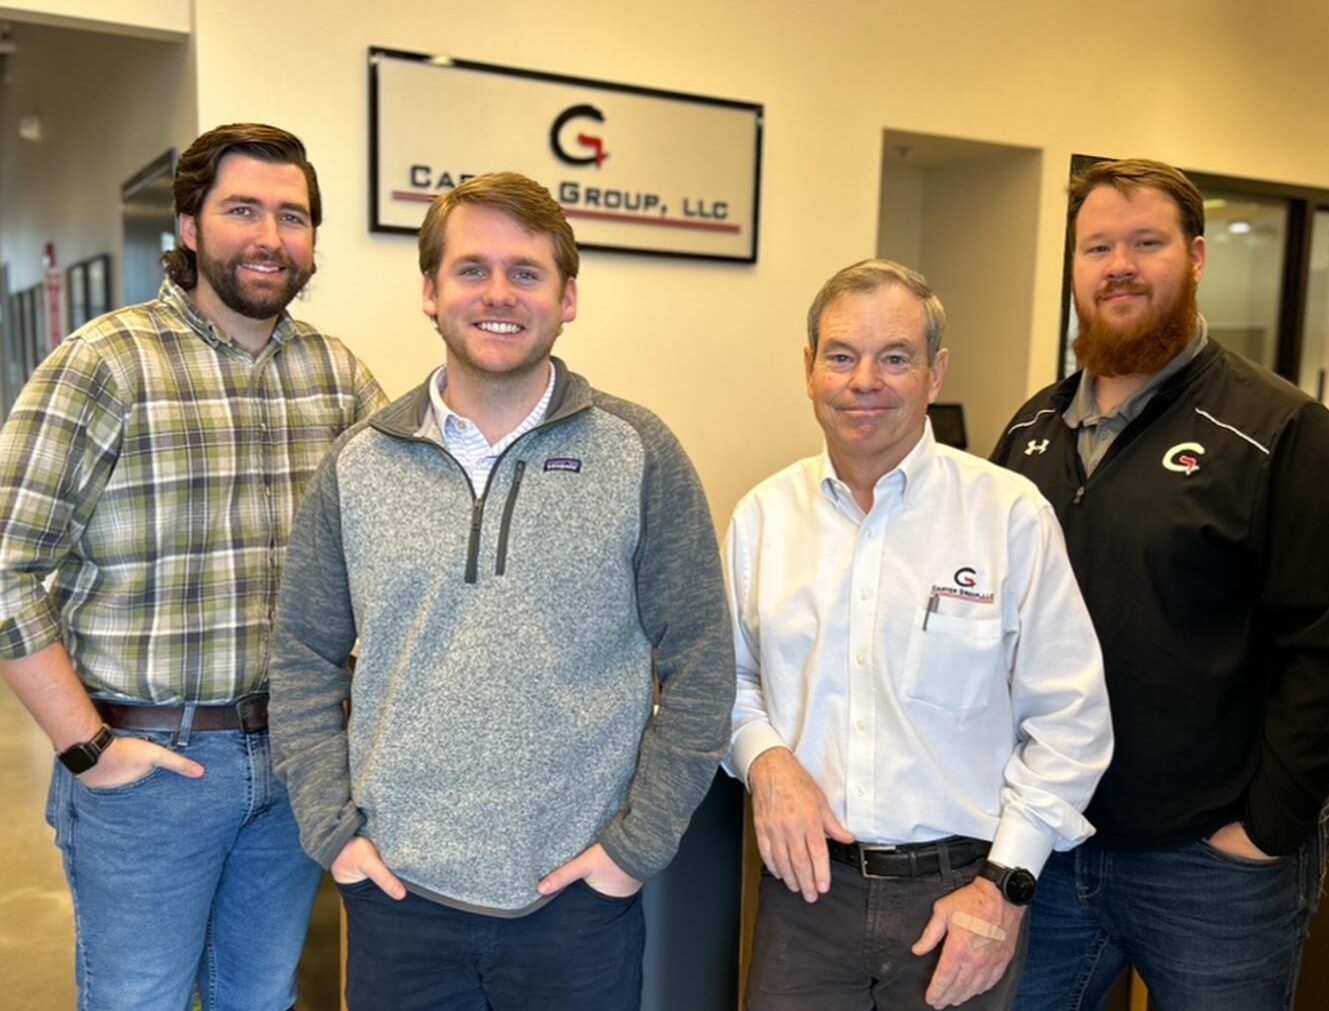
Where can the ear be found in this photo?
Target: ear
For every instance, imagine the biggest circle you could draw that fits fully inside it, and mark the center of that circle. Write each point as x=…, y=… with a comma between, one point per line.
x=1199, y=254
x=429, y=298
x=937, y=374
x=188, y=231
x=809, y=359
x=569, y=300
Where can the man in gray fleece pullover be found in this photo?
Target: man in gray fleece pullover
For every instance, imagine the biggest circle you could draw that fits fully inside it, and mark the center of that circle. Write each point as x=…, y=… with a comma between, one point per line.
x=524, y=561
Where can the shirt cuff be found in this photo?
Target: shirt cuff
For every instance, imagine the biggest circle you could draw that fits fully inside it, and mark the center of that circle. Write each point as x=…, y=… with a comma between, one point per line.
x=32, y=627
x=1020, y=844
x=750, y=742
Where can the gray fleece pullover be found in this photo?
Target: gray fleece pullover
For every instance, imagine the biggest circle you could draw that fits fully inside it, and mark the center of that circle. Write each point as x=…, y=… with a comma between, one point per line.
x=511, y=641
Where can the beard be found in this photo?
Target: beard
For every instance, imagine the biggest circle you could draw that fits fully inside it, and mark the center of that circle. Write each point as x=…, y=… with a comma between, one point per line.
x=1141, y=348
x=224, y=277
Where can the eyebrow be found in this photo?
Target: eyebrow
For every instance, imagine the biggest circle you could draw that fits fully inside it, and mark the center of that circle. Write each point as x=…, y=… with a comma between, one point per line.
x=836, y=344
x=240, y=198
x=1103, y=235
x=480, y=258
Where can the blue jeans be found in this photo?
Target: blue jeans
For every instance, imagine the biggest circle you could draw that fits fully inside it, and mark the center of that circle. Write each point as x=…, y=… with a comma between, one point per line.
x=582, y=951
x=182, y=883
x=1206, y=931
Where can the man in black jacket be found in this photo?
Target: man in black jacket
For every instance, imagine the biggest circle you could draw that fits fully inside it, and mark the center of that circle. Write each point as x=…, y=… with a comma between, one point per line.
x=1193, y=489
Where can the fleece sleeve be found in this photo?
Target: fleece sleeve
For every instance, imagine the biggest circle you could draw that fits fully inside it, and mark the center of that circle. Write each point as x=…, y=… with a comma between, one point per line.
x=680, y=600
x=310, y=677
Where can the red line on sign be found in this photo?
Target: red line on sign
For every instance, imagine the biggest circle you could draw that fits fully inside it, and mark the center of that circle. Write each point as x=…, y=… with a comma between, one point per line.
x=641, y=219
x=630, y=219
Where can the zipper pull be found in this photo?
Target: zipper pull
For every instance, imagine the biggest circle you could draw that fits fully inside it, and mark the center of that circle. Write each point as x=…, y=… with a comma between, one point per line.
x=473, y=547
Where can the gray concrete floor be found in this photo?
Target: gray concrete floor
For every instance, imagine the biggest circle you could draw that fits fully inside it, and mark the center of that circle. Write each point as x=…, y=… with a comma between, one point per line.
x=36, y=917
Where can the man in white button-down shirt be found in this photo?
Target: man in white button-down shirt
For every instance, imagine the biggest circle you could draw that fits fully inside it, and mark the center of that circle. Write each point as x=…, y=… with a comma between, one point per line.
x=921, y=716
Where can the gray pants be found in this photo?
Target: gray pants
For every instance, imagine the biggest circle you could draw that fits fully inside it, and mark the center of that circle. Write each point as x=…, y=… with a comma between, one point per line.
x=849, y=950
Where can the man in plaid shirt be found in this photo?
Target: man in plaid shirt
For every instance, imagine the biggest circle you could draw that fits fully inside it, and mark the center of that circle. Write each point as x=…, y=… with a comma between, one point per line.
x=150, y=469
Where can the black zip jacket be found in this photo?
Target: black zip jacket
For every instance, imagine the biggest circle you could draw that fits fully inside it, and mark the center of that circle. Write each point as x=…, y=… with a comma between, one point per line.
x=1201, y=544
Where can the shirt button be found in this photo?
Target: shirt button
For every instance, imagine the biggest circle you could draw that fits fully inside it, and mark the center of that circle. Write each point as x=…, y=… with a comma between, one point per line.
x=861, y=791
x=862, y=725
x=864, y=594
x=860, y=659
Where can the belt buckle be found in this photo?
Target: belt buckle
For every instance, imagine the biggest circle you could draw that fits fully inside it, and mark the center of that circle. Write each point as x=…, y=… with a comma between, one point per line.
x=864, y=851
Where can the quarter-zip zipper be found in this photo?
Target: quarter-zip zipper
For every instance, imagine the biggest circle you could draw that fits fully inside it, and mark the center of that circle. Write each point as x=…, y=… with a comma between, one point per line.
x=473, y=545
x=478, y=502
x=502, y=563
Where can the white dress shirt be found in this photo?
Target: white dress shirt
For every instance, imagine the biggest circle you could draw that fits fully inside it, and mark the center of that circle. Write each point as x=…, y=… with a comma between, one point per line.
x=931, y=663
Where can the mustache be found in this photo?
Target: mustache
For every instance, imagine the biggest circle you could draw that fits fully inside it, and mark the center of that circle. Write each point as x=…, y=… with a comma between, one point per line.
x=1123, y=288
x=273, y=257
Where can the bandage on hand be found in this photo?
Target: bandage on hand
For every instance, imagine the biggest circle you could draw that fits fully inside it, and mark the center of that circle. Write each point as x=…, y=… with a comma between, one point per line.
x=980, y=927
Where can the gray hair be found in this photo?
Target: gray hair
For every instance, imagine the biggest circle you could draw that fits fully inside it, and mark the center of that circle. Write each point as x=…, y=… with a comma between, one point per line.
x=869, y=275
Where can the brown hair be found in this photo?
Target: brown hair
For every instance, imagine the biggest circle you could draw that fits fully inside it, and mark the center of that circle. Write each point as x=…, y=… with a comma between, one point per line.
x=513, y=194
x=869, y=275
x=1130, y=174
x=196, y=173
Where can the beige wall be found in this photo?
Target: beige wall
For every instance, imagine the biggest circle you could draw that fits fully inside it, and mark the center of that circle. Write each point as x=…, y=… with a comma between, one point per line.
x=946, y=206
x=715, y=349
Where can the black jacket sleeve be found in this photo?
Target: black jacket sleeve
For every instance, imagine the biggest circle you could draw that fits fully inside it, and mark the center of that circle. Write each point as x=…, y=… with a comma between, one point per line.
x=1291, y=779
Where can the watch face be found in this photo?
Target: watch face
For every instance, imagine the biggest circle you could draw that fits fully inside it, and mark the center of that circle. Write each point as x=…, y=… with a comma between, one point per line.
x=82, y=757
x=79, y=758
x=1020, y=887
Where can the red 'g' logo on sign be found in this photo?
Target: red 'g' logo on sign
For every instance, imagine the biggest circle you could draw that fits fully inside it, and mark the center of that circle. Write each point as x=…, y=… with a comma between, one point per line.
x=588, y=141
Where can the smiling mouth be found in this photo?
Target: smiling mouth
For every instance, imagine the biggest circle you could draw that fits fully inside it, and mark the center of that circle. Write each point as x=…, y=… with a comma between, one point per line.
x=264, y=268
x=864, y=410
x=499, y=327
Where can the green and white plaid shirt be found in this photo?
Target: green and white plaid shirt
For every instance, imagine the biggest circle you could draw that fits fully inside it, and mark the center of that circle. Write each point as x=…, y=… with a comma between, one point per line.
x=154, y=467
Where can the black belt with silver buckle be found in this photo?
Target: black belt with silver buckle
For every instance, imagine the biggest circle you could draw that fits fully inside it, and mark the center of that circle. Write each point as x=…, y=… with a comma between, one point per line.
x=249, y=714
x=911, y=860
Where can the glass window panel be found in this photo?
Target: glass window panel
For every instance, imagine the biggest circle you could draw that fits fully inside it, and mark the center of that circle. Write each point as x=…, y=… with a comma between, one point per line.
x=1315, y=339
x=1246, y=239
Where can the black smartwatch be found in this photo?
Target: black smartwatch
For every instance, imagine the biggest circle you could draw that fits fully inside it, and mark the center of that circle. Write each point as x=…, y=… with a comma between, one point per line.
x=1016, y=884
x=83, y=756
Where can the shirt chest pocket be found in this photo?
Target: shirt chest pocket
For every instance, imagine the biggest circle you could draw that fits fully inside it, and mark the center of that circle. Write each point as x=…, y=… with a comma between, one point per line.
x=954, y=662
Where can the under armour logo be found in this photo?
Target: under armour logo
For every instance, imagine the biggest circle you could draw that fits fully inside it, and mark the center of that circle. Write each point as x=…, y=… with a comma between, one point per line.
x=1036, y=447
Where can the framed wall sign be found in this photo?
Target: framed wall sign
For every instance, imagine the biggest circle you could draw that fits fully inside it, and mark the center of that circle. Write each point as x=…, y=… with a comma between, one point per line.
x=636, y=169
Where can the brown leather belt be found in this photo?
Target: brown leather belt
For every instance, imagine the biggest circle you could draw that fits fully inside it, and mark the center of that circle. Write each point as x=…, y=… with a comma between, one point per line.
x=911, y=860
x=249, y=714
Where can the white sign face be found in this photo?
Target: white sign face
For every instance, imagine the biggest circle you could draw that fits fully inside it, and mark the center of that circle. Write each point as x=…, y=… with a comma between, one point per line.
x=635, y=170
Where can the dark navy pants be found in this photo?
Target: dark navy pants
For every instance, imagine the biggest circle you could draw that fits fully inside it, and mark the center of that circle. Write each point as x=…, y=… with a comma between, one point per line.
x=580, y=952
x=1205, y=930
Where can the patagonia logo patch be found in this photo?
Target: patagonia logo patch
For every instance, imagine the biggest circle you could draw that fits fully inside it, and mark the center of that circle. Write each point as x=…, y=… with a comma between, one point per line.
x=568, y=463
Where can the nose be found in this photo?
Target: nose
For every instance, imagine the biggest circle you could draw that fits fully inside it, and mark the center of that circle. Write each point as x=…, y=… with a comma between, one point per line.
x=499, y=291
x=866, y=376
x=267, y=236
x=1121, y=262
